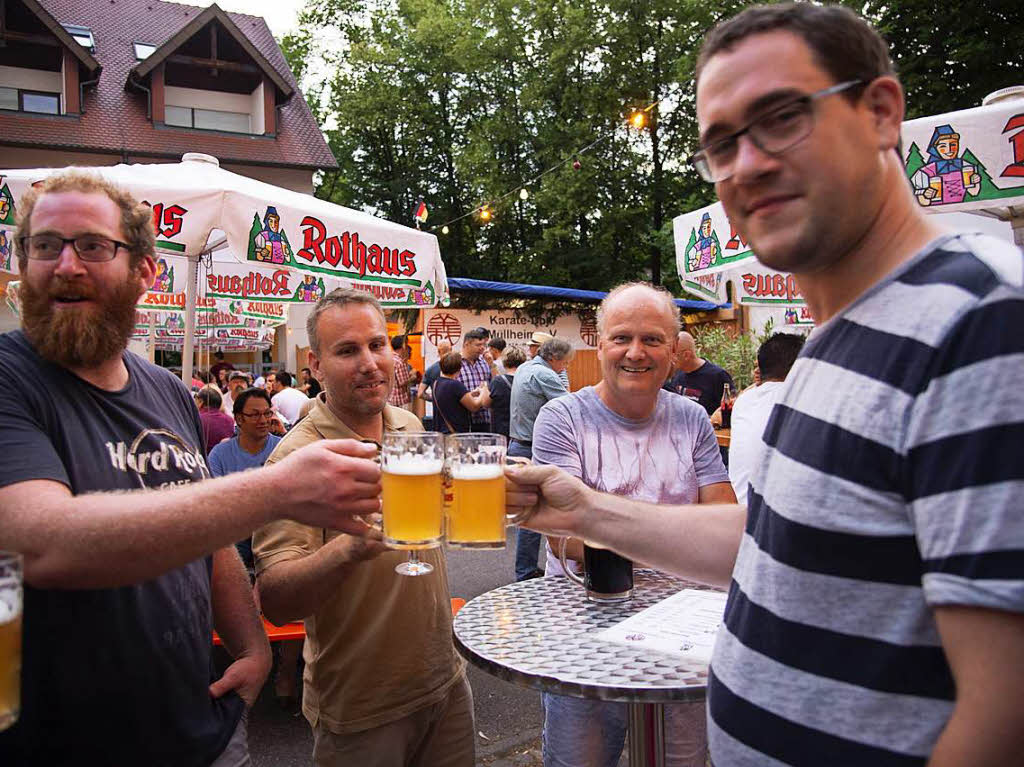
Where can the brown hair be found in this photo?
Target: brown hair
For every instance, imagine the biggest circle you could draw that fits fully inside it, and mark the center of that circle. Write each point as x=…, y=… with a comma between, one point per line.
x=843, y=43
x=136, y=218
x=451, y=363
x=339, y=297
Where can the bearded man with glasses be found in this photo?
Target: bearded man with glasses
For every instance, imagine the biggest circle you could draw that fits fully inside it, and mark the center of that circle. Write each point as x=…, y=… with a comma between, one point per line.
x=128, y=545
x=876, y=574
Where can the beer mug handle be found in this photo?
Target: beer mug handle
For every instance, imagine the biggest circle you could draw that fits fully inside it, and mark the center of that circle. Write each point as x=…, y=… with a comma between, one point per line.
x=562, y=545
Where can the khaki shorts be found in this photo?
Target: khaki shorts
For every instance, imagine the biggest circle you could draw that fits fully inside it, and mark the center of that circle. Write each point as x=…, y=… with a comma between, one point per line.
x=440, y=735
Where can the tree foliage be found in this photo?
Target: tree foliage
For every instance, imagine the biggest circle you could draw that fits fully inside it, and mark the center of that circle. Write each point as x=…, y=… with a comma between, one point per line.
x=457, y=101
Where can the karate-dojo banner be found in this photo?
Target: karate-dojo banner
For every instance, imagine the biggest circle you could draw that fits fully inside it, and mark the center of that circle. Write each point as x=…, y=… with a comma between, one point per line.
x=451, y=325
x=265, y=226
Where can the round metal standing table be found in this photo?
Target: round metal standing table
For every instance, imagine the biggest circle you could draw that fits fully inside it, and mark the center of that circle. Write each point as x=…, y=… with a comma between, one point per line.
x=541, y=633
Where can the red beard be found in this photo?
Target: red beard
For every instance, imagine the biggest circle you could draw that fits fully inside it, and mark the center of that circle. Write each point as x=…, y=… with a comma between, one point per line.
x=82, y=337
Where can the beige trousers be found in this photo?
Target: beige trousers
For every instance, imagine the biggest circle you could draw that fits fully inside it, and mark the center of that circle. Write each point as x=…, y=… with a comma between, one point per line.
x=441, y=735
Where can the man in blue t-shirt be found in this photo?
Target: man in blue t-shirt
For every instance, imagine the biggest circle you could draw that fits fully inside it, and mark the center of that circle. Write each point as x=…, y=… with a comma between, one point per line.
x=104, y=490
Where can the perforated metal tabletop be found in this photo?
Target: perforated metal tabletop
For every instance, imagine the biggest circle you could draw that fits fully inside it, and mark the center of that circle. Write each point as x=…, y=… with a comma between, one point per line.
x=541, y=633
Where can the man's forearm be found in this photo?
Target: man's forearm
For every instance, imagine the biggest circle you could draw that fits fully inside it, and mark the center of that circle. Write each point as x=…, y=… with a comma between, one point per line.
x=234, y=611
x=70, y=542
x=699, y=542
x=294, y=590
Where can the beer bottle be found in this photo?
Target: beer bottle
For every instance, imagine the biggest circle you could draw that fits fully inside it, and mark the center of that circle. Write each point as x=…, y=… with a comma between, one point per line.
x=727, y=407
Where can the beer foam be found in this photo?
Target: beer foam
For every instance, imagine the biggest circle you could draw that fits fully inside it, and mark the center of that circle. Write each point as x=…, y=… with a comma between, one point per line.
x=413, y=465
x=8, y=612
x=477, y=471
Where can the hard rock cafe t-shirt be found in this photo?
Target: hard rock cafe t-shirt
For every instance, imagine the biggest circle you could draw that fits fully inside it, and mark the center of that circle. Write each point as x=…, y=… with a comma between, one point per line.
x=110, y=676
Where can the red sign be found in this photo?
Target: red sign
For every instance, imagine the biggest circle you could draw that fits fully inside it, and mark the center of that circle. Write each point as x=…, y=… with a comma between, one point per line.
x=444, y=327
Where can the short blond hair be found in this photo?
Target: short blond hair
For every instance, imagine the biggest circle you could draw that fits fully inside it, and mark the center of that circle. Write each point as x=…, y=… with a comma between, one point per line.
x=339, y=298
x=659, y=293
x=136, y=218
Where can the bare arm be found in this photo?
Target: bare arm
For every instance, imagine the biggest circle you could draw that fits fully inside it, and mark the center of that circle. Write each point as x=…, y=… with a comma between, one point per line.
x=699, y=542
x=719, y=493
x=472, y=400
x=104, y=540
x=236, y=620
x=984, y=648
x=294, y=589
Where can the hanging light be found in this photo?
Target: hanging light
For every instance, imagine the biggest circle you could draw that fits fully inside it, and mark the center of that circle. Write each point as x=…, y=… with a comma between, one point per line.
x=444, y=229
x=524, y=194
x=638, y=120
x=486, y=213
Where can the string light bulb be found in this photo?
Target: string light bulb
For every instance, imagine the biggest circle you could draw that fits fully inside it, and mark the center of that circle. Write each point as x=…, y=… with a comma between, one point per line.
x=576, y=164
x=524, y=194
x=638, y=120
x=485, y=213
x=444, y=229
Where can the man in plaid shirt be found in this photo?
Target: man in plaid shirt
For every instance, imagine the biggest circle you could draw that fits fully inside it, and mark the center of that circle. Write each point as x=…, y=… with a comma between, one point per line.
x=404, y=374
x=476, y=371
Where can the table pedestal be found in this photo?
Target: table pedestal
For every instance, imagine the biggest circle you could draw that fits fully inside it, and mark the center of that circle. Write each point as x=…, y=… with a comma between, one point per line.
x=646, y=735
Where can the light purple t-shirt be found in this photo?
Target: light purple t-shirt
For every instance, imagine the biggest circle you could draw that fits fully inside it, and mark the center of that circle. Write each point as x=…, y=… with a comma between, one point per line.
x=665, y=458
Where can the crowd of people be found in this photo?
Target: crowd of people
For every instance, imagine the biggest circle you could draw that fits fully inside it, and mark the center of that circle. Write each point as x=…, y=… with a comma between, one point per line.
x=875, y=602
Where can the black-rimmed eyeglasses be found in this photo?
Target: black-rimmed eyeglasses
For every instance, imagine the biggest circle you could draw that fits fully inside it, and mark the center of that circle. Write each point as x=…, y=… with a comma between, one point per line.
x=88, y=247
x=773, y=132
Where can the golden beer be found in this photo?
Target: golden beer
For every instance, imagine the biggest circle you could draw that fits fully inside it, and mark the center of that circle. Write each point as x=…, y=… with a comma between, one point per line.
x=412, y=502
x=476, y=511
x=10, y=664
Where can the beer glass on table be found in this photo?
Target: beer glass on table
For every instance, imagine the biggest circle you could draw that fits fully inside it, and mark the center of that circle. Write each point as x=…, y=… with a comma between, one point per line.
x=475, y=491
x=10, y=638
x=411, y=465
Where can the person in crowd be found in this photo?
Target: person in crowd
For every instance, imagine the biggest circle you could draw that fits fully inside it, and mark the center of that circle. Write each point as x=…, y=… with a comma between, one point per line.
x=476, y=373
x=383, y=684
x=238, y=381
x=265, y=381
x=537, y=382
x=222, y=380
x=454, y=405
x=253, y=413
x=310, y=386
x=425, y=388
x=697, y=378
x=217, y=425
x=500, y=388
x=495, y=347
x=626, y=432
x=288, y=401
x=251, y=447
x=220, y=365
x=405, y=376
x=876, y=604
x=538, y=338
x=129, y=557
x=752, y=408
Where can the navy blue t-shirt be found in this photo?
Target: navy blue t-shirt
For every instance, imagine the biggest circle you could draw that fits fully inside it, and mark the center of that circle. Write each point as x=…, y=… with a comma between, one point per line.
x=110, y=676
x=448, y=409
x=704, y=385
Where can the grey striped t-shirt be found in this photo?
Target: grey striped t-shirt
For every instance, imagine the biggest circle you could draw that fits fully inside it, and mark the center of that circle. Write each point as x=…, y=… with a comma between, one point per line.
x=891, y=484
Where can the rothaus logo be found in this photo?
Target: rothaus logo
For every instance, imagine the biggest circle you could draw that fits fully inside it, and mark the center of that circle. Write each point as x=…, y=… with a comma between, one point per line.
x=351, y=253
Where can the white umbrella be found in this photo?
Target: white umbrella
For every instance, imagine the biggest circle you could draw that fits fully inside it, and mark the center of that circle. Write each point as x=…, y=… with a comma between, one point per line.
x=199, y=207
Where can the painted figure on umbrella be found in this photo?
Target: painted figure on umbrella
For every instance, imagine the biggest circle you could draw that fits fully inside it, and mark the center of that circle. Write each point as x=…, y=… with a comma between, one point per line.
x=310, y=289
x=705, y=249
x=946, y=179
x=270, y=245
x=5, y=252
x=163, y=282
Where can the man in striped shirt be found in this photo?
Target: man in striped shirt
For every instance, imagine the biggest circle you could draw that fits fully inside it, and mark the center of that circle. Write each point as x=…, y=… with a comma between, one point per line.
x=876, y=578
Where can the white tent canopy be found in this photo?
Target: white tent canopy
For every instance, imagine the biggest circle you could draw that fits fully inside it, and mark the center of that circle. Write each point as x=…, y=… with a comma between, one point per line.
x=263, y=236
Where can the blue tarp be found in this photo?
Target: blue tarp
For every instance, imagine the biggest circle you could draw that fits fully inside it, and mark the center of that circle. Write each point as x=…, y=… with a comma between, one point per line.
x=565, y=294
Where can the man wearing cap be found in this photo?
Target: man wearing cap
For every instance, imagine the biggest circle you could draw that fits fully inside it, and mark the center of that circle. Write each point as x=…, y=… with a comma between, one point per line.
x=238, y=381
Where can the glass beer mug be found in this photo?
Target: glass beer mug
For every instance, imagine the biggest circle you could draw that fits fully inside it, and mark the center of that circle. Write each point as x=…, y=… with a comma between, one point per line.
x=607, y=576
x=475, y=491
